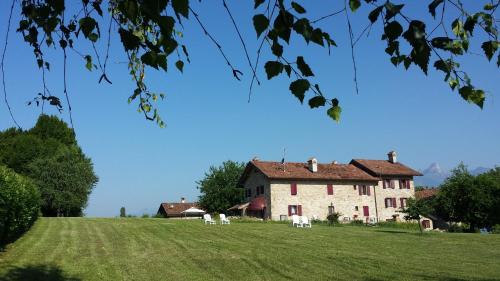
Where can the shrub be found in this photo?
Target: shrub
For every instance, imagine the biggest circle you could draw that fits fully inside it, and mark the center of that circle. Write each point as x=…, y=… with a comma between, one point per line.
x=495, y=229
x=357, y=222
x=456, y=228
x=333, y=218
x=145, y=216
x=19, y=205
x=400, y=225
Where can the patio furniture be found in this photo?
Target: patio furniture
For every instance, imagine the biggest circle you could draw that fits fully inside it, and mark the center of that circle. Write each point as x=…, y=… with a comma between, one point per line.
x=305, y=221
x=208, y=219
x=296, y=221
x=223, y=219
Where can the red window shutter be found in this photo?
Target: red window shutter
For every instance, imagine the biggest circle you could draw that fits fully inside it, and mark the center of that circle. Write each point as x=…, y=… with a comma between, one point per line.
x=329, y=189
x=402, y=202
x=289, y=210
x=401, y=182
x=384, y=184
x=359, y=190
x=408, y=184
x=293, y=189
x=299, y=210
x=394, y=203
x=366, y=211
x=385, y=201
x=368, y=190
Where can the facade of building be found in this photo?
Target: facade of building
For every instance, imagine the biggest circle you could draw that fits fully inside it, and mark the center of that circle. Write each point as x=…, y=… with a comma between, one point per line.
x=368, y=190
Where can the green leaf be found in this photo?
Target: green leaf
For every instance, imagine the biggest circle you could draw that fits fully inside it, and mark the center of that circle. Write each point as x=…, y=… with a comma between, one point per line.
x=129, y=40
x=88, y=63
x=489, y=48
x=260, y=23
x=303, y=28
x=288, y=69
x=472, y=95
x=277, y=48
x=470, y=23
x=393, y=30
x=317, y=101
x=162, y=61
x=392, y=10
x=87, y=25
x=150, y=58
x=354, y=5
x=433, y=5
x=166, y=25
x=93, y=37
x=334, y=112
x=453, y=83
x=299, y=9
x=299, y=88
x=283, y=25
x=258, y=2
x=317, y=36
x=373, y=16
x=304, y=67
x=181, y=7
x=180, y=65
x=273, y=68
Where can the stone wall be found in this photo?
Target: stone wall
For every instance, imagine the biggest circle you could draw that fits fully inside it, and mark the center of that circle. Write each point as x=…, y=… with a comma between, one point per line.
x=256, y=178
x=381, y=193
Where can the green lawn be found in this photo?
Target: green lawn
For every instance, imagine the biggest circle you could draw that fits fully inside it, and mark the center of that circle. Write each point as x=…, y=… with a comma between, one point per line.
x=161, y=249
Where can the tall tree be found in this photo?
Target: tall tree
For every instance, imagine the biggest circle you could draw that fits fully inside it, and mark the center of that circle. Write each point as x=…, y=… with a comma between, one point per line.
x=149, y=32
x=415, y=210
x=65, y=181
x=469, y=199
x=219, y=189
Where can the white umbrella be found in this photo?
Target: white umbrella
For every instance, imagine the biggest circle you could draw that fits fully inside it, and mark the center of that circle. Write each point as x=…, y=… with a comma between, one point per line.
x=193, y=210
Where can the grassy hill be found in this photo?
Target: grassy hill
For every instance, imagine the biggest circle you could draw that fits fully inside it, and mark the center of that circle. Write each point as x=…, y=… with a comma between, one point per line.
x=160, y=249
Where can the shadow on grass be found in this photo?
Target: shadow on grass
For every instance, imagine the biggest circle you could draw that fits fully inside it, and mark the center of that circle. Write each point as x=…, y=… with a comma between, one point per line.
x=394, y=231
x=36, y=272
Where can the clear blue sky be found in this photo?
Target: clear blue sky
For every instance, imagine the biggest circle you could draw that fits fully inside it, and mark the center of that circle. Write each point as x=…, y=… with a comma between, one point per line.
x=209, y=120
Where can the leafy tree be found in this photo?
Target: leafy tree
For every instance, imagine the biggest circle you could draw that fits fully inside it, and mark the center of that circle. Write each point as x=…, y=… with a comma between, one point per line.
x=415, y=210
x=219, y=189
x=150, y=33
x=65, y=181
x=19, y=204
x=122, y=212
x=49, y=155
x=470, y=199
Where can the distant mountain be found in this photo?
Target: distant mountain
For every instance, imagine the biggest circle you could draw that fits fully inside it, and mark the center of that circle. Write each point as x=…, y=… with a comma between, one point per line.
x=479, y=170
x=433, y=176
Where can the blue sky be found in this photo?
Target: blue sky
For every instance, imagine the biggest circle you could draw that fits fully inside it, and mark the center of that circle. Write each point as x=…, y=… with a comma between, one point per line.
x=209, y=119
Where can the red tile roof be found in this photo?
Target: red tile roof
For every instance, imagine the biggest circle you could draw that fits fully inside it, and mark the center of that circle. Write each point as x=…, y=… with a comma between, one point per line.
x=384, y=168
x=425, y=193
x=300, y=171
x=175, y=209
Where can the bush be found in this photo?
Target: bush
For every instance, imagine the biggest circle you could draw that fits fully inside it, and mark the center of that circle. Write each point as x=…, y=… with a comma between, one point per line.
x=400, y=225
x=145, y=216
x=495, y=229
x=333, y=218
x=456, y=228
x=19, y=205
x=357, y=222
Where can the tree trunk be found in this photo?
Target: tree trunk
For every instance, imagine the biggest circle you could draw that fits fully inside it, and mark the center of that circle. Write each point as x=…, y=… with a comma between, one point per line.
x=420, y=226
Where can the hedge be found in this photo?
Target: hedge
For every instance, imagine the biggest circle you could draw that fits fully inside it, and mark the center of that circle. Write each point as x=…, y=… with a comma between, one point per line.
x=19, y=205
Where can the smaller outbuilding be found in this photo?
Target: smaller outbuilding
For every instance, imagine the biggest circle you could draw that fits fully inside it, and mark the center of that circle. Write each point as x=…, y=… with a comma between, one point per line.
x=178, y=209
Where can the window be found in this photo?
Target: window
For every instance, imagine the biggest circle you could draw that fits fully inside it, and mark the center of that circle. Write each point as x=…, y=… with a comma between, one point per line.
x=329, y=189
x=386, y=183
x=354, y=186
x=248, y=192
x=356, y=208
x=364, y=190
x=392, y=184
x=294, y=210
x=331, y=210
x=402, y=202
x=390, y=202
x=293, y=189
x=404, y=184
x=260, y=190
x=426, y=224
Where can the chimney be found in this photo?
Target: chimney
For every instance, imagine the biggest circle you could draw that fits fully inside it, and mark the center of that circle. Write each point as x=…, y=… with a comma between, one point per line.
x=312, y=163
x=392, y=157
x=334, y=162
x=183, y=200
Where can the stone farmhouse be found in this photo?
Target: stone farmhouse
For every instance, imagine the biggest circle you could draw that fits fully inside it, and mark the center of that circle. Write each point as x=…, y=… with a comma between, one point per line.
x=368, y=190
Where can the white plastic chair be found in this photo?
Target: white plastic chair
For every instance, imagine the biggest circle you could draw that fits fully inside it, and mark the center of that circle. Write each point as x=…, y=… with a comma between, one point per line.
x=296, y=221
x=208, y=219
x=305, y=221
x=223, y=219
